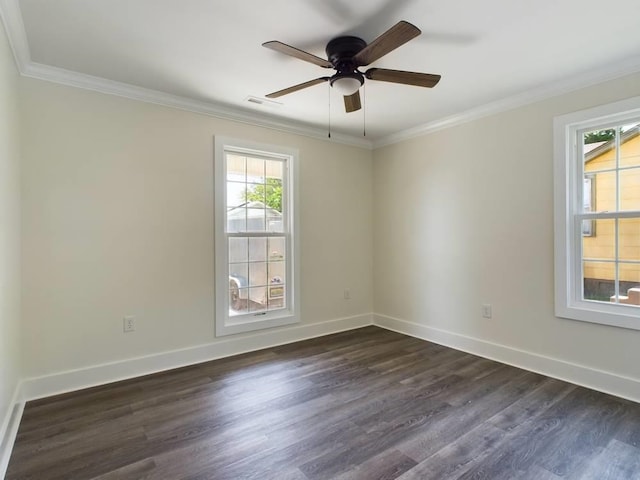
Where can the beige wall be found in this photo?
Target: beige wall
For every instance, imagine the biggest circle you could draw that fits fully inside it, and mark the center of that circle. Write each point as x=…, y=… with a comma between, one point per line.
x=9, y=231
x=118, y=220
x=464, y=216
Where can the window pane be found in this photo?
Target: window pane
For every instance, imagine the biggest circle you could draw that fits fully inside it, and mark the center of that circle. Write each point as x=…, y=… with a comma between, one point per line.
x=239, y=274
x=255, y=218
x=629, y=239
x=257, y=299
x=255, y=170
x=588, y=193
x=276, y=297
x=258, y=249
x=256, y=195
x=630, y=189
x=630, y=146
x=599, y=281
x=599, y=150
x=629, y=283
x=238, y=249
x=603, y=191
x=277, y=271
x=257, y=274
x=599, y=244
x=237, y=299
x=237, y=219
x=274, y=169
x=274, y=221
x=276, y=248
x=236, y=167
x=236, y=195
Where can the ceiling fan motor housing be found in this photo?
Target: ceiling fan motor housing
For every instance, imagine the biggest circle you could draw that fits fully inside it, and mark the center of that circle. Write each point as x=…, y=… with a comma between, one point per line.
x=340, y=52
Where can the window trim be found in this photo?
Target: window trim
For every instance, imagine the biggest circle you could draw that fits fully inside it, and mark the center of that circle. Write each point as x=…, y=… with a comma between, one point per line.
x=567, y=198
x=224, y=324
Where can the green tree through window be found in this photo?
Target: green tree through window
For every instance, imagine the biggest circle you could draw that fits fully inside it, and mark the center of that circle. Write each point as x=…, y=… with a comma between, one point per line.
x=599, y=136
x=270, y=194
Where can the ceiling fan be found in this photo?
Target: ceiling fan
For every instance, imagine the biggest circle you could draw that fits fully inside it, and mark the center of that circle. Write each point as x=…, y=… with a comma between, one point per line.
x=347, y=54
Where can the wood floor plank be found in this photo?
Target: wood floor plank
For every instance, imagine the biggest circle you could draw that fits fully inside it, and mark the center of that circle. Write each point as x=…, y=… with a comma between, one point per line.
x=366, y=404
x=457, y=457
x=617, y=460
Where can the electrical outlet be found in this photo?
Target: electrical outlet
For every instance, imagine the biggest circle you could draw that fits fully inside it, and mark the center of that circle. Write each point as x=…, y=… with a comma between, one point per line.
x=347, y=294
x=486, y=310
x=129, y=324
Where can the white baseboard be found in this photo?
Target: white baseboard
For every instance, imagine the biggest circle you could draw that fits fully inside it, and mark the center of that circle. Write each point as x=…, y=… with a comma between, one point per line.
x=594, y=379
x=9, y=428
x=40, y=387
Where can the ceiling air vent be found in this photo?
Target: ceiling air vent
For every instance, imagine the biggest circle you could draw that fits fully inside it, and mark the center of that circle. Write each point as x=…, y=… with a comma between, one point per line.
x=265, y=102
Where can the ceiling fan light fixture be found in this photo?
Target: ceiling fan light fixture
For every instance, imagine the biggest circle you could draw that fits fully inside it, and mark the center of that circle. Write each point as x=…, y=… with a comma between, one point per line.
x=347, y=84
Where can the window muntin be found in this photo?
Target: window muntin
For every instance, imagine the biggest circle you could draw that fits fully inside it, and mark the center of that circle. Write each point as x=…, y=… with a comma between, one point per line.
x=255, y=241
x=597, y=157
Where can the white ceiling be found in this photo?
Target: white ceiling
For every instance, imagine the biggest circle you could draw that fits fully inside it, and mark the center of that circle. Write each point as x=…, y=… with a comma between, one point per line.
x=210, y=51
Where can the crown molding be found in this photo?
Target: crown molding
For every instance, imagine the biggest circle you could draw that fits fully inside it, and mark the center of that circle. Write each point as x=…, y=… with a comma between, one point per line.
x=586, y=79
x=16, y=33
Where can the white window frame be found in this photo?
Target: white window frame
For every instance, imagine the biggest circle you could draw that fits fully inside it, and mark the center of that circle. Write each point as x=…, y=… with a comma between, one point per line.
x=568, y=188
x=226, y=324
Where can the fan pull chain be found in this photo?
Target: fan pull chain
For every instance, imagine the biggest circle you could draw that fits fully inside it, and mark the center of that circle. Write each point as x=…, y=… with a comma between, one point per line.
x=329, y=90
x=364, y=110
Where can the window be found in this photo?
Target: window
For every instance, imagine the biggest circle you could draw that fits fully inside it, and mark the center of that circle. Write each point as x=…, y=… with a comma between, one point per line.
x=256, y=250
x=597, y=214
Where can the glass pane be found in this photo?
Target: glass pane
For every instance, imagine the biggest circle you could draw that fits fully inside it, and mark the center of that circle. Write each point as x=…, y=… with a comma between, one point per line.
x=274, y=194
x=257, y=274
x=274, y=169
x=276, y=248
x=629, y=239
x=236, y=194
x=257, y=299
x=255, y=219
x=598, y=239
x=603, y=191
x=630, y=189
x=277, y=271
x=256, y=195
x=237, y=219
x=588, y=193
x=629, y=283
x=274, y=221
x=255, y=170
x=599, y=281
x=239, y=274
x=237, y=299
x=258, y=249
x=599, y=150
x=238, y=249
x=630, y=146
x=236, y=167
x=276, y=297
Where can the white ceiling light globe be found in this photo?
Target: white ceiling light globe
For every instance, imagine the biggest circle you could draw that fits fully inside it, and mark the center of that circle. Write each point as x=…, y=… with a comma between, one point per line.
x=346, y=85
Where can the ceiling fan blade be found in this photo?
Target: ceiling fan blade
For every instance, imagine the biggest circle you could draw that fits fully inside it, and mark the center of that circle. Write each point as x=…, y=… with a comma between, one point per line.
x=297, y=53
x=396, y=36
x=352, y=102
x=399, y=76
x=295, y=88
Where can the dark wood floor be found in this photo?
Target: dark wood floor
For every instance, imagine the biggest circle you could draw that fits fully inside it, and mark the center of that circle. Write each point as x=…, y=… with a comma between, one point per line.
x=367, y=404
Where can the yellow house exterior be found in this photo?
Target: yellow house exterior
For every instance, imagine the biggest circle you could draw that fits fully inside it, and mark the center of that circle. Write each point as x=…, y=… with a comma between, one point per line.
x=599, y=235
